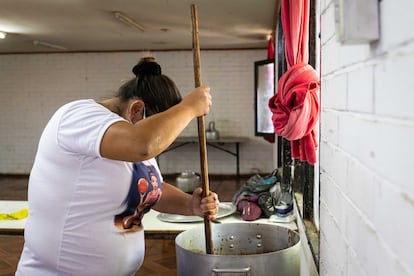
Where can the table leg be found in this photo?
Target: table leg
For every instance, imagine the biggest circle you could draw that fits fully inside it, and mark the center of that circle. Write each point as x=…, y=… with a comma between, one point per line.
x=237, y=160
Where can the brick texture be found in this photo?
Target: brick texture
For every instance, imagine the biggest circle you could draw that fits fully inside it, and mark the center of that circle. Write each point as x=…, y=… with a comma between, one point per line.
x=367, y=129
x=32, y=87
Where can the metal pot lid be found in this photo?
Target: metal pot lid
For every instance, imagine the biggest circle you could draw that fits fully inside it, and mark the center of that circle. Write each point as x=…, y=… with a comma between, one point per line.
x=225, y=209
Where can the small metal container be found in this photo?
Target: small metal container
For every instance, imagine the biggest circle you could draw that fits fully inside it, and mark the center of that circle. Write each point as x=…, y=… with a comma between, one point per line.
x=211, y=132
x=187, y=181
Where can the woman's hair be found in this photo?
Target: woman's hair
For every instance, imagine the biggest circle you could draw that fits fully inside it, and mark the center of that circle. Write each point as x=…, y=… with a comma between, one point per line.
x=157, y=91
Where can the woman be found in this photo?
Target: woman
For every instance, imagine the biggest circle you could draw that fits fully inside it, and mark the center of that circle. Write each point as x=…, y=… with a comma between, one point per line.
x=95, y=176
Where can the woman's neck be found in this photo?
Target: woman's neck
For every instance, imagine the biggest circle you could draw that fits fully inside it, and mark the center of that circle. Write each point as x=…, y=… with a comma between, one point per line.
x=114, y=105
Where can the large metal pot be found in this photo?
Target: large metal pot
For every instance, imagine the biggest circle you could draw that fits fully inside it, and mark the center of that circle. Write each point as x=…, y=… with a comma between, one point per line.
x=239, y=249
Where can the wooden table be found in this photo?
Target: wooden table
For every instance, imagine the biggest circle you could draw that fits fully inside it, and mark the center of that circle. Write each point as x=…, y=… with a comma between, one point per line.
x=14, y=227
x=153, y=227
x=215, y=143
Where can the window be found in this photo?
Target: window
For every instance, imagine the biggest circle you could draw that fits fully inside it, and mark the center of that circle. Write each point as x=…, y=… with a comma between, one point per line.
x=299, y=175
x=264, y=79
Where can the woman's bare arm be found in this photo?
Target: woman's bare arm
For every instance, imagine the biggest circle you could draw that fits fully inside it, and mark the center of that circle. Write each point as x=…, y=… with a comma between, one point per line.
x=148, y=138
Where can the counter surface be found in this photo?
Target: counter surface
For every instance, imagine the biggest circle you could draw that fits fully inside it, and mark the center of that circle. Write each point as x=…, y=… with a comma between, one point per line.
x=152, y=224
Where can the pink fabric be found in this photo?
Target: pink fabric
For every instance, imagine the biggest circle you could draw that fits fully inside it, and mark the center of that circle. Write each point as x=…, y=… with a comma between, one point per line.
x=295, y=24
x=270, y=49
x=295, y=110
x=295, y=107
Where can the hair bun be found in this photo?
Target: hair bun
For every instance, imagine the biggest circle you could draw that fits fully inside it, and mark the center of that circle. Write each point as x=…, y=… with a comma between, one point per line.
x=147, y=66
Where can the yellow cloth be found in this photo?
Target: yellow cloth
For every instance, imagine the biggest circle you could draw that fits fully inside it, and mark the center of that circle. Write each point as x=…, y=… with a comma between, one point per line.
x=21, y=214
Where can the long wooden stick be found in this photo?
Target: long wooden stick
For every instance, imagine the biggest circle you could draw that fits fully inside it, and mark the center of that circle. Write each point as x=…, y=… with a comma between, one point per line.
x=201, y=128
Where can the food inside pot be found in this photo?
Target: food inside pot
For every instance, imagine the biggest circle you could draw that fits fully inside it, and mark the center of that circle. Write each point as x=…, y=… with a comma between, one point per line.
x=247, y=240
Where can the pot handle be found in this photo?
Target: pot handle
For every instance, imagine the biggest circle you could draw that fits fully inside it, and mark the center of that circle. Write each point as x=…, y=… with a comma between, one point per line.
x=231, y=270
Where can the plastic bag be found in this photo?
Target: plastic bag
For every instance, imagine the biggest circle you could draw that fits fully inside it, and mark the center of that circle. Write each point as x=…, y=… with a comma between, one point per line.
x=258, y=196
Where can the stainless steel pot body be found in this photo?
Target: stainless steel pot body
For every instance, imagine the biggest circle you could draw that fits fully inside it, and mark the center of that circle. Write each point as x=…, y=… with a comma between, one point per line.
x=239, y=249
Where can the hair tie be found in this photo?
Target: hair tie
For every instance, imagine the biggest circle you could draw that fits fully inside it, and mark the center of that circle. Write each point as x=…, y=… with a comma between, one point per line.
x=147, y=67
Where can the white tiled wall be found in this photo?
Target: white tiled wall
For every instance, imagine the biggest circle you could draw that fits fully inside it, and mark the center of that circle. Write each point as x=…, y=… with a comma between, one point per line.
x=33, y=86
x=367, y=130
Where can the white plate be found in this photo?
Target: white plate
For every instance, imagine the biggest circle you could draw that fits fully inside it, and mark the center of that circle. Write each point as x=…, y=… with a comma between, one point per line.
x=225, y=209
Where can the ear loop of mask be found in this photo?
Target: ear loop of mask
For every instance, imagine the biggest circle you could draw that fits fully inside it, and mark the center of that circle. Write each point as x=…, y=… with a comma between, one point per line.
x=143, y=113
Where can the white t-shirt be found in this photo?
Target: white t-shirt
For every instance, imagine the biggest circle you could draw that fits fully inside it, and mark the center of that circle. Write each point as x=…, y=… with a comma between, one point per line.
x=85, y=211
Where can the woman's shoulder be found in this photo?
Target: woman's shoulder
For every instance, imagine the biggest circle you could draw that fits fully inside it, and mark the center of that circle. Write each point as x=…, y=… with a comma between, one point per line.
x=85, y=106
x=86, y=113
x=81, y=103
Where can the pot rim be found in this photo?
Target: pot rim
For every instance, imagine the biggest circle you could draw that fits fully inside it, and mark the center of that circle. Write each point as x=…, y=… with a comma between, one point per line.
x=239, y=224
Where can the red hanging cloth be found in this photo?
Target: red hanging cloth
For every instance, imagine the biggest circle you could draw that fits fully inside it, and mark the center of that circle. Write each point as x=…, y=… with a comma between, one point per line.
x=295, y=106
x=270, y=49
x=295, y=25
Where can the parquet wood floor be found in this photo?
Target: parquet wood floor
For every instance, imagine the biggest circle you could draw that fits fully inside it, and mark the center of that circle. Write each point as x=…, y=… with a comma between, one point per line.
x=160, y=252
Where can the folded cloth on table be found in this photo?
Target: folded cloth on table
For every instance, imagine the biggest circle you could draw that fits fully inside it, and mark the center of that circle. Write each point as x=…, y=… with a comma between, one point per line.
x=249, y=210
x=20, y=214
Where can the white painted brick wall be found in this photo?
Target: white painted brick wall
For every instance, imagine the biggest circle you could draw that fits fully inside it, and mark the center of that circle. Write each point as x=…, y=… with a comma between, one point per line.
x=396, y=23
x=360, y=97
x=394, y=76
x=367, y=129
x=33, y=86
